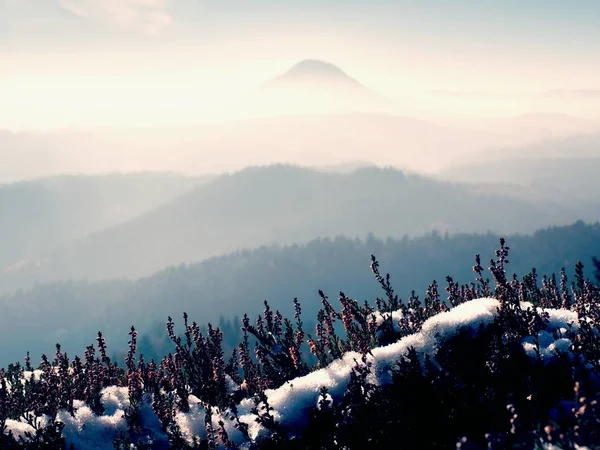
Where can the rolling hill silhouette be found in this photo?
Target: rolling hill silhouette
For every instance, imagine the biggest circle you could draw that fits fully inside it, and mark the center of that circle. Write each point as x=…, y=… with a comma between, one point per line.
x=286, y=204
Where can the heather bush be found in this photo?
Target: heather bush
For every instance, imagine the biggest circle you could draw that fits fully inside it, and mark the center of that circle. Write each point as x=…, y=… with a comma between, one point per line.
x=493, y=387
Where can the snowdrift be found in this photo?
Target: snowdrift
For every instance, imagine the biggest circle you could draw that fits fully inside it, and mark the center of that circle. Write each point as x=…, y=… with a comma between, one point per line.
x=293, y=401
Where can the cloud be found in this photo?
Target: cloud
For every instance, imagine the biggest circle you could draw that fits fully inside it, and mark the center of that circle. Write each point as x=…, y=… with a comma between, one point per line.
x=147, y=16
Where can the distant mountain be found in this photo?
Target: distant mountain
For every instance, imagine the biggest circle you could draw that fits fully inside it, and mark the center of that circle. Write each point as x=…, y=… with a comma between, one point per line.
x=285, y=204
x=315, y=72
x=561, y=179
x=315, y=87
x=228, y=286
x=579, y=146
x=562, y=170
x=313, y=114
x=42, y=214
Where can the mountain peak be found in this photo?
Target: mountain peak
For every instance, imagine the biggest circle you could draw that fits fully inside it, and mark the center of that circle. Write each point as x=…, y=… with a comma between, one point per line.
x=316, y=66
x=314, y=86
x=315, y=71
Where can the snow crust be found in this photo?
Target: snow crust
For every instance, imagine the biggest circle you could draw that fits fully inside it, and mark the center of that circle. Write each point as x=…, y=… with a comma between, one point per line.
x=293, y=401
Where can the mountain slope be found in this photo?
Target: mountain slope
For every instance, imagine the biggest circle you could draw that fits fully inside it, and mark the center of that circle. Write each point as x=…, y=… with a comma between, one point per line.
x=565, y=179
x=72, y=312
x=563, y=169
x=284, y=204
x=40, y=215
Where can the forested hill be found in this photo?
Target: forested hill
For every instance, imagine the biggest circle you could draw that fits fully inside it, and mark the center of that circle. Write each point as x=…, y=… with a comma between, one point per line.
x=287, y=204
x=228, y=286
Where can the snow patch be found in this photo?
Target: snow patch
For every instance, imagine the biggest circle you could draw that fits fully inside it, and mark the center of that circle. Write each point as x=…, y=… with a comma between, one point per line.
x=559, y=321
x=293, y=401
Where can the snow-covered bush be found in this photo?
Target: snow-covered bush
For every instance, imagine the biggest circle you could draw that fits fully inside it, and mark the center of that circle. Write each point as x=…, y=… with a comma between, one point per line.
x=500, y=363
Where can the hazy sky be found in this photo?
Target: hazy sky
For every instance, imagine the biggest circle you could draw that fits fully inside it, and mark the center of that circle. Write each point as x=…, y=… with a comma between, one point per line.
x=89, y=62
